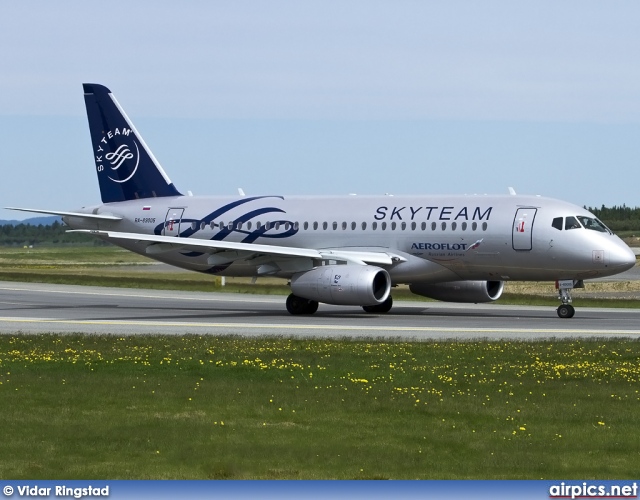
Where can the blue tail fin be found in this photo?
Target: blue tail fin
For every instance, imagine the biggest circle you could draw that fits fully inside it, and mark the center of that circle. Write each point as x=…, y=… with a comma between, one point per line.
x=127, y=170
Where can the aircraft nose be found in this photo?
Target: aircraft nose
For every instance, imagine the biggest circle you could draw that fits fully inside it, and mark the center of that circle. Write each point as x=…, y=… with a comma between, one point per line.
x=622, y=257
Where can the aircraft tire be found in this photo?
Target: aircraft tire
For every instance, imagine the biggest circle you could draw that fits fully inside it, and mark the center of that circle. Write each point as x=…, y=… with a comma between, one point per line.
x=383, y=308
x=298, y=305
x=566, y=311
x=312, y=307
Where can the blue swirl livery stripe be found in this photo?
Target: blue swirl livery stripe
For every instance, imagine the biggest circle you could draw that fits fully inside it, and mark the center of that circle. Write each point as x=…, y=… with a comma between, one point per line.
x=215, y=214
x=223, y=233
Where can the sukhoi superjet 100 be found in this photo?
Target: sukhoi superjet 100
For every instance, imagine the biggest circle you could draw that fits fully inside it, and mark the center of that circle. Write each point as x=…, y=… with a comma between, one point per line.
x=341, y=250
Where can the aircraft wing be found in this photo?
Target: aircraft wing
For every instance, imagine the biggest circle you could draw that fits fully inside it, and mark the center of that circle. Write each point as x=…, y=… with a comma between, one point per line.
x=71, y=214
x=159, y=244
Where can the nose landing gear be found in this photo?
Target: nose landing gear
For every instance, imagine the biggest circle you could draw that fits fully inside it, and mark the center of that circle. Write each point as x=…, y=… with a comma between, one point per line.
x=566, y=310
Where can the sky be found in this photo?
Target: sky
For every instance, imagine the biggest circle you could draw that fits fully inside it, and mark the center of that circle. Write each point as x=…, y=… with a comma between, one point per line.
x=328, y=97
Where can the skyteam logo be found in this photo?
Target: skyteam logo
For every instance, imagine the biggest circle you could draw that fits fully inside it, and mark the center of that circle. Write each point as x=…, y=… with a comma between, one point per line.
x=125, y=156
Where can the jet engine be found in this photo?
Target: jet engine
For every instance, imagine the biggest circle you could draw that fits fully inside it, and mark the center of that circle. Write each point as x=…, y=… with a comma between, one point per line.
x=344, y=285
x=461, y=291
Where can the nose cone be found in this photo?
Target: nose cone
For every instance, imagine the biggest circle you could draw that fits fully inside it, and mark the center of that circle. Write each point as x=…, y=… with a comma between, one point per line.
x=621, y=258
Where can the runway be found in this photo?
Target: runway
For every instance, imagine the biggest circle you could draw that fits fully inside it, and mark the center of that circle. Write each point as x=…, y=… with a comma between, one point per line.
x=38, y=308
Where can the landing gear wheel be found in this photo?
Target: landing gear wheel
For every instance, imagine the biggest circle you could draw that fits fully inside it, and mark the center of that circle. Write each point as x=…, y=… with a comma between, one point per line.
x=383, y=308
x=298, y=305
x=312, y=307
x=566, y=311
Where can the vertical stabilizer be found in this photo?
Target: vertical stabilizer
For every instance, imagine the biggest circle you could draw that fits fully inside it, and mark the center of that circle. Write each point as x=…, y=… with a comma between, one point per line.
x=127, y=169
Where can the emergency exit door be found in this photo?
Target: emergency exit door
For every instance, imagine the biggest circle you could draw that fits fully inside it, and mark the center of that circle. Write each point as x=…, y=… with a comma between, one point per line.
x=523, y=228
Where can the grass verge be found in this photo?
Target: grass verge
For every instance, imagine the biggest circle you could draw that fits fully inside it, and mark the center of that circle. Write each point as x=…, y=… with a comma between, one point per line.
x=205, y=407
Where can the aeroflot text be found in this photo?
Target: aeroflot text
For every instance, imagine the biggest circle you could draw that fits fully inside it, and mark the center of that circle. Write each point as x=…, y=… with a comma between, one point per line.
x=433, y=213
x=438, y=246
x=62, y=491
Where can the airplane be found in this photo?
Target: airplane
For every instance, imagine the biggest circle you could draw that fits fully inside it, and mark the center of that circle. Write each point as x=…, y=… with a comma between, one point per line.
x=341, y=250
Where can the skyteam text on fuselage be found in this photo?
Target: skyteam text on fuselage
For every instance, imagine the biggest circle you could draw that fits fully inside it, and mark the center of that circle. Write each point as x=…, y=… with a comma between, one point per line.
x=343, y=250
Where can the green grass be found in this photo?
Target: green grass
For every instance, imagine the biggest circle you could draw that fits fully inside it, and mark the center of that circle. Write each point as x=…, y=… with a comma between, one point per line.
x=69, y=256
x=206, y=407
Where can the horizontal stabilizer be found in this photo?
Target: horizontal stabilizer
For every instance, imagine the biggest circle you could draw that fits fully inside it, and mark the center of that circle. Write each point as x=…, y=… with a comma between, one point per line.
x=67, y=214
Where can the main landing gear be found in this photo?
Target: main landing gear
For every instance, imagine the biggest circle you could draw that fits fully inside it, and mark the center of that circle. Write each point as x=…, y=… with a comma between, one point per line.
x=297, y=305
x=566, y=310
x=383, y=308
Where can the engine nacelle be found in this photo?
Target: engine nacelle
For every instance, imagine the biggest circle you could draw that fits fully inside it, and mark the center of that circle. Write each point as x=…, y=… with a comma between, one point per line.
x=461, y=291
x=343, y=285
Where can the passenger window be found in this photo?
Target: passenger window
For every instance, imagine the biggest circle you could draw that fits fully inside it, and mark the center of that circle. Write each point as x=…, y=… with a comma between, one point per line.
x=474, y=226
x=267, y=225
x=344, y=226
x=212, y=224
x=453, y=226
x=484, y=226
x=364, y=226
x=335, y=226
x=383, y=226
x=433, y=226
x=230, y=226
x=239, y=226
x=571, y=223
x=353, y=226
x=306, y=226
x=423, y=226
x=464, y=226
x=443, y=226
x=413, y=226
x=296, y=225
x=403, y=226
x=393, y=226
x=249, y=225
x=374, y=226
x=315, y=226
x=325, y=226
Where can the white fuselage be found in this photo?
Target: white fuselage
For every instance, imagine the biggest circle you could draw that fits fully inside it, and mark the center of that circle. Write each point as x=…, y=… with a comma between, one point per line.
x=432, y=238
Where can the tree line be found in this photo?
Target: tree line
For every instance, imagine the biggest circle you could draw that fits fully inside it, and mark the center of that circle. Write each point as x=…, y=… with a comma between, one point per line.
x=618, y=218
x=44, y=235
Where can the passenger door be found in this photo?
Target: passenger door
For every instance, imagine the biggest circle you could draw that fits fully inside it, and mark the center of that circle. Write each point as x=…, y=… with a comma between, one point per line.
x=523, y=228
x=172, y=222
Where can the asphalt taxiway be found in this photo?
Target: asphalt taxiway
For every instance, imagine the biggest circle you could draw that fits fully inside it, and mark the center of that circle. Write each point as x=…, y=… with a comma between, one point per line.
x=38, y=308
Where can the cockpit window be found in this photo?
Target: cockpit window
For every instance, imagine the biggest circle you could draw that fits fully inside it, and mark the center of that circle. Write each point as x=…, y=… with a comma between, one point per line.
x=557, y=223
x=593, y=224
x=571, y=223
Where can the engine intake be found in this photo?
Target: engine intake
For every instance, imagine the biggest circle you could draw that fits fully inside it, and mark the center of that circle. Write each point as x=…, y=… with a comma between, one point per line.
x=343, y=285
x=461, y=291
